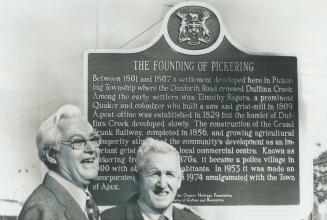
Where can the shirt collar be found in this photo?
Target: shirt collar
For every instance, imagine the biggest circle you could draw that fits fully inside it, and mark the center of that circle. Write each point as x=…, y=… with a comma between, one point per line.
x=149, y=214
x=77, y=193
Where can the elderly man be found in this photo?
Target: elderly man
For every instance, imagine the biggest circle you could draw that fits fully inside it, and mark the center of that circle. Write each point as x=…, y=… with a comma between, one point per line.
x=69, y=147
x=319, y=211
x=159, y=177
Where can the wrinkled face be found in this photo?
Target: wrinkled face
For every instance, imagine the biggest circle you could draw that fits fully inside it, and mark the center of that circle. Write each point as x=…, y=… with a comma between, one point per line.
x=160, y=180
x=78, y=166
x=321, y=192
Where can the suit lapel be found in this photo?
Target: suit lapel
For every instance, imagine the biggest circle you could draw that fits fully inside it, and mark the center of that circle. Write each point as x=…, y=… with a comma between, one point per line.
x=72, y=209
x=179, y=215
x=176, y=214
x=133, y=211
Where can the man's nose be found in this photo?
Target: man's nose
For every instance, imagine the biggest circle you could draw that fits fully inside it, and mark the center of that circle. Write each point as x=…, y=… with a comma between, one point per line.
x=163, y=181
x=89, y=147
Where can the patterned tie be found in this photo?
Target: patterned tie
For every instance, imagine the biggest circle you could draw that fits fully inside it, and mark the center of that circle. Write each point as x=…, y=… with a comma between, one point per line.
x=162, y=217
x=91, y=208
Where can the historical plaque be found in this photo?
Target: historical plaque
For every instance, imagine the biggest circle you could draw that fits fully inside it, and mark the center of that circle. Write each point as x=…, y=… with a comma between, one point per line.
x=232, y=115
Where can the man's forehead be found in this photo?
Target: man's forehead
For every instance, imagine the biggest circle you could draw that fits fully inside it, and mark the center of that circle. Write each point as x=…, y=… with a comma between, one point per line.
x=168, y=154
x=76, y=125
x=162, y=160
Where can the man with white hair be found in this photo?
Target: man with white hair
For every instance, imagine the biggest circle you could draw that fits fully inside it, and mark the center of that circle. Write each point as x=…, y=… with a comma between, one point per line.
x=159, y=176
x=69, y=147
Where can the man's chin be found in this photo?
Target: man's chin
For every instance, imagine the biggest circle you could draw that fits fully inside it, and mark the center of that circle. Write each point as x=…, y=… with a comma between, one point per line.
x=87, y=178
x=320, y=199
x=89, y=173
x=162, y=204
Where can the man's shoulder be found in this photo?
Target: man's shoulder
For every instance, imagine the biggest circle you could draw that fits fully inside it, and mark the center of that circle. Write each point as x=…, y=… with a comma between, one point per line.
x=40, y=195
x=185, y=213
x=50, y=201
x=44, y=193
x=115, y=213
x=40, y=201
x=126, y=211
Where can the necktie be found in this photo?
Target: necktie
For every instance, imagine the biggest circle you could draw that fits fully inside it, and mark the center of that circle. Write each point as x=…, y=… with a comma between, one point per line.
x=162, y=217
x=91, y=208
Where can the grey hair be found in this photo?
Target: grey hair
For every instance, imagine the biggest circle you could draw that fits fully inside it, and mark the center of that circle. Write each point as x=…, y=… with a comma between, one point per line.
x=151, y=145
x=50, y=130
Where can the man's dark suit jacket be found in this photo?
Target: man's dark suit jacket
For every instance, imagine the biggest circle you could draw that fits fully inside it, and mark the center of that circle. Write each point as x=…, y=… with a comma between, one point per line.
x=51, y=201
x=131, y=211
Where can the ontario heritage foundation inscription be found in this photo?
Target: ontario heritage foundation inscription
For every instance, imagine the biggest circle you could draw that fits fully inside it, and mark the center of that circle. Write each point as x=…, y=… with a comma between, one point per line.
x=233, y=116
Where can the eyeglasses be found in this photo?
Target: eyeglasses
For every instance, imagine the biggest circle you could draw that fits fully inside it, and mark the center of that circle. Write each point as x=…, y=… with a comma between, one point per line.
x=78, y=144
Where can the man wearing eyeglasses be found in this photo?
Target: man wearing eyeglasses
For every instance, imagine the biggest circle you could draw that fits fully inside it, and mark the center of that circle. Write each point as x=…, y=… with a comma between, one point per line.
x=69, y=147
x=159, y=177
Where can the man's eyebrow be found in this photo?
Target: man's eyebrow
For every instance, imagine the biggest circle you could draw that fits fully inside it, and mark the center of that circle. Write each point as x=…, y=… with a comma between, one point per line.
x=172, y=171
x=166, y=171
x=152, y=169
x=94, y=133
x=75, y=136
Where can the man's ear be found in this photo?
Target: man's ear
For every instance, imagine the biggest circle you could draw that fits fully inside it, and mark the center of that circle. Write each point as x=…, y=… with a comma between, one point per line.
x=180, y=179
x=136, y=176
x=49, y=153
